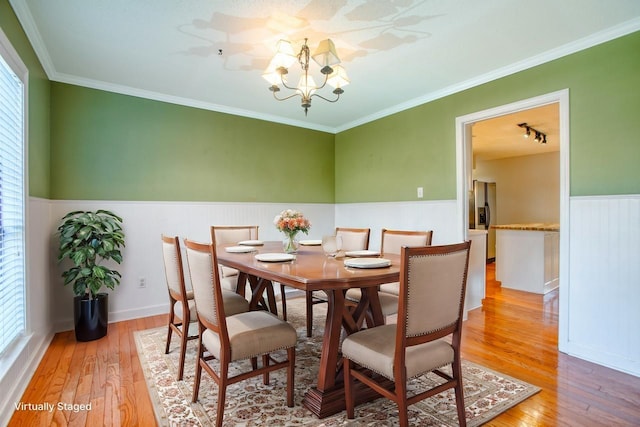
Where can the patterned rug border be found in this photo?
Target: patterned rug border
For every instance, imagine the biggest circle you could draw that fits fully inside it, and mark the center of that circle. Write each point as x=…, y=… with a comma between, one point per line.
x=195, y=414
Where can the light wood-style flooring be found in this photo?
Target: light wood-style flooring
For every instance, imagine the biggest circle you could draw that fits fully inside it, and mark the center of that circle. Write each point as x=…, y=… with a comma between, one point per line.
x=514, y=332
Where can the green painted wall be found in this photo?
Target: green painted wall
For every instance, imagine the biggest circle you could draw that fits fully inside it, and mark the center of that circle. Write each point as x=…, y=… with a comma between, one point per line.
x=387, y=159
x=89, y=144
x=107, y=146
x=38, y=104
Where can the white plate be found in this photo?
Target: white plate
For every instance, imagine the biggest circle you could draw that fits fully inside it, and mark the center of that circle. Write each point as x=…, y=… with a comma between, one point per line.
x=251, y=242
x=362, y=253
x=367, y=262
x=239, y=249
x=275, y=257
x=310, y=242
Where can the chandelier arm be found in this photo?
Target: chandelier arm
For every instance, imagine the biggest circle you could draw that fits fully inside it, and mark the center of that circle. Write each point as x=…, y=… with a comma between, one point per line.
x=326, y=79
x=289, y=87
x=326, y=99
x=287, y=97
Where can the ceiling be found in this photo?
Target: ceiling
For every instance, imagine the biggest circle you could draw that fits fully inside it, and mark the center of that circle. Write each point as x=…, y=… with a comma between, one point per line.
x=501, y=137
x=398, y=53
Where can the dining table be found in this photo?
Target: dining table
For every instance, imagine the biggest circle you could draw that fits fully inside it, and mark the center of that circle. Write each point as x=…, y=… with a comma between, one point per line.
x=310, y=269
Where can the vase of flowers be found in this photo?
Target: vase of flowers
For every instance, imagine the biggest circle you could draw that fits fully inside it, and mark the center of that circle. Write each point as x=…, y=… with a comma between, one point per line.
x=291, y=222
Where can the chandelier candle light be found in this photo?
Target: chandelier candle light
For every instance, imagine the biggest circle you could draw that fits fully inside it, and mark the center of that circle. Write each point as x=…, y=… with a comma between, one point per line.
x=325, y=56
x=291, y=222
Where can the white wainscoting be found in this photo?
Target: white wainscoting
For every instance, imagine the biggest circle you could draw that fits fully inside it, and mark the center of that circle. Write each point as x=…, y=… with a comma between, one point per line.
x=602, y=301
x=143, y=224
x=439, y=216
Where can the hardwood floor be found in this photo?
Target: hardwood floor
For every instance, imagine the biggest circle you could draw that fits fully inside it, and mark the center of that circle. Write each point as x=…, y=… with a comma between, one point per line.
x=514, y=333
x=105, y=373
x=517, y=333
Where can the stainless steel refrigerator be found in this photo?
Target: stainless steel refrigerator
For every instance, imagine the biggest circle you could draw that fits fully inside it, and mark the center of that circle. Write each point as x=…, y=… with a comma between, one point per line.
x=483, y=213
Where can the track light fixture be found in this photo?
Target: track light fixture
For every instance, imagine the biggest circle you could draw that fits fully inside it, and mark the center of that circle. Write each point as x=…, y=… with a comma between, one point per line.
x=540, y=137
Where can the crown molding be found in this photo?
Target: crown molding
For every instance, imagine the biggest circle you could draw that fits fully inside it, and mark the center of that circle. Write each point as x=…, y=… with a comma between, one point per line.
x=595, y=39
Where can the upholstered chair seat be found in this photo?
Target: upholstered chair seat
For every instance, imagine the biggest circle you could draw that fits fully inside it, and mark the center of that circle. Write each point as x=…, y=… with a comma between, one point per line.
x=252, y=334
x=229, y=338
x=426, y=338
x=183, y=307
x=391, y=288
x=374, y=348
x=388, y=302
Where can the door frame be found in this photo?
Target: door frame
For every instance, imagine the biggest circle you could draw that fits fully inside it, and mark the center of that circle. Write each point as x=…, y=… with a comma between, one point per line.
x=464, y=164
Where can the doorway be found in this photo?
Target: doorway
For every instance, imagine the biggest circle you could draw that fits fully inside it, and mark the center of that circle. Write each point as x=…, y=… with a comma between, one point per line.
x=464, y=166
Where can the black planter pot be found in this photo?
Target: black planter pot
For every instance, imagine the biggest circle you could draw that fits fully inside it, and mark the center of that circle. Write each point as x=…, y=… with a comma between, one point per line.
x=91, y=317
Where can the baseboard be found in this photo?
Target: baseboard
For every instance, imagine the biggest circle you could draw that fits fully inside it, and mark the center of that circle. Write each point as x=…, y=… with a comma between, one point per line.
x=119, y=316
x=610, y=360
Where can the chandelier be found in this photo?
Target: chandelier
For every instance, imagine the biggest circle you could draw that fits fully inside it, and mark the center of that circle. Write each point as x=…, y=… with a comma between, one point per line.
x=325, y=56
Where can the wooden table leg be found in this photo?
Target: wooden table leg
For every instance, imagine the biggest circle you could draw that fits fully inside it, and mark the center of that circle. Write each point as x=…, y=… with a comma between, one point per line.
x=327, y=398
x=258, y=286
x=375, y=309
x=241, y=283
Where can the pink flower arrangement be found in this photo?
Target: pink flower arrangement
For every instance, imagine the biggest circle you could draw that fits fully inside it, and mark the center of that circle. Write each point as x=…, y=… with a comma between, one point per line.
x=290, y=221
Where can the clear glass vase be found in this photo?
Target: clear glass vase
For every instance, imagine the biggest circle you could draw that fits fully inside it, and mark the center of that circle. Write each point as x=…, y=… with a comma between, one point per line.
x=290, y=242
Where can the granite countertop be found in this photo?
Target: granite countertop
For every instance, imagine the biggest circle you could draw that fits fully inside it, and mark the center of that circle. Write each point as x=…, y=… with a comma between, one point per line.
x=528, y=227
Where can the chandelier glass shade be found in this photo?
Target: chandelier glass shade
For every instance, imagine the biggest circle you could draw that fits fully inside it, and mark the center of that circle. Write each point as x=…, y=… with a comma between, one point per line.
x=324, y=56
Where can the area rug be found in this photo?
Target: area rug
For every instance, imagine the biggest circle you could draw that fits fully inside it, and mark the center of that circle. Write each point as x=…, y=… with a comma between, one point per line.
x=250, y=403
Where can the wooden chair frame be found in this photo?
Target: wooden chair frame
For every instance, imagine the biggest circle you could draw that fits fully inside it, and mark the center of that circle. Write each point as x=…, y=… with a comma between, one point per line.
x=387, y=232
x=366, y=314
x=176, y=324
x=398, y=393
x=222, y=378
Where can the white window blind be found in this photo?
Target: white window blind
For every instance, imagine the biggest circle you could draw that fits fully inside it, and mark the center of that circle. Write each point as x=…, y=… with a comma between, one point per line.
x=12, y=201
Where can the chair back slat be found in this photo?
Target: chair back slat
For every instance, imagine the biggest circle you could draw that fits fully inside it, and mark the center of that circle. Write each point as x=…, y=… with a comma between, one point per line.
x=353, y=239
x=174, y=273
x=235, y=233
x=394, y=240
x=435, y=286
x=203, y=278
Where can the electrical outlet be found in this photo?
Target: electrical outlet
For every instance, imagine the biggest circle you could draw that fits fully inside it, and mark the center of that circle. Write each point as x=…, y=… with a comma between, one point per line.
x=142, y=283
x=420, y=193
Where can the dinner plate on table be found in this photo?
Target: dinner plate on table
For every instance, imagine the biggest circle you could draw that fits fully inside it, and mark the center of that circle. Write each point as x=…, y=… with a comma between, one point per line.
x=239, y=249
x=275, y=257
x=251, y=243
x=310, y=242
x=367, y=262
x=362, y=253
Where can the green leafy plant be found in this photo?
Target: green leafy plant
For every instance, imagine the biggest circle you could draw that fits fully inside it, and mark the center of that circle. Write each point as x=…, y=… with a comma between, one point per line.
x=87, y=239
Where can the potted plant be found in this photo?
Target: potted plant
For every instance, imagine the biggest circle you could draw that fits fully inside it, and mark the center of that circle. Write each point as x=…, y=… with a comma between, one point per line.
x=88, y=239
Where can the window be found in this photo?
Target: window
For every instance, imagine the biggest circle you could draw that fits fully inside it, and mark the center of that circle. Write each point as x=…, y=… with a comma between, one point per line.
x=12, y=195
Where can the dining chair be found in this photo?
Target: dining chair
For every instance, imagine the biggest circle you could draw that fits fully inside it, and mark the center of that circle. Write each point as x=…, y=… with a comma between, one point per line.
x=230, y=234
x=234, y=338
x=391, y=242
x=353, y=239
x=436, y=279
x=182, y=310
